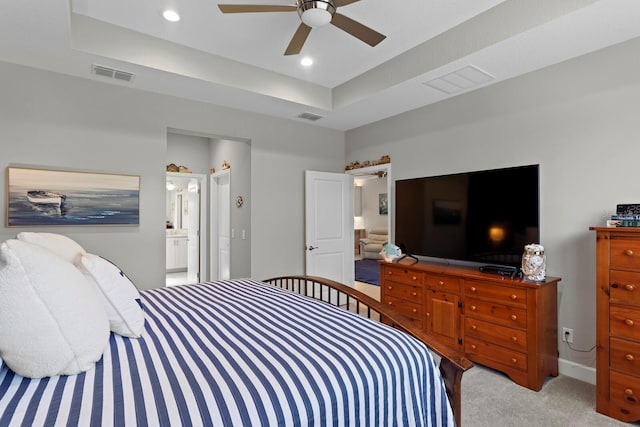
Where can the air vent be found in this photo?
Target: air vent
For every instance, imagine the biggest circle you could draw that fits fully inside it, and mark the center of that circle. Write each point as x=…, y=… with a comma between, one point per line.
x=101, y=70
x=462, y=79
x=309, y=116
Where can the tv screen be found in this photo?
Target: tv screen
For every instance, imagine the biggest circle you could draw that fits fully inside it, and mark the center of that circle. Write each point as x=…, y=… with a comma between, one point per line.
x=485, y=217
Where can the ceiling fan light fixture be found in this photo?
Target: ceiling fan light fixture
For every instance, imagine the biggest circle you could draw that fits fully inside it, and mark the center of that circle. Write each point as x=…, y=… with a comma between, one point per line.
x=316, y=13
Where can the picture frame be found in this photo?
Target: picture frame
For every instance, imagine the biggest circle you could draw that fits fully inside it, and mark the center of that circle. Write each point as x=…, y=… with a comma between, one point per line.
x=383, y=204
x=52, y=197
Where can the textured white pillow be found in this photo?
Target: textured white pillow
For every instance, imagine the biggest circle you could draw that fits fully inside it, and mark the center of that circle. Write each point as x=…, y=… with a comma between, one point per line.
x=60, y=245
x=51, y=321
x=119, y=296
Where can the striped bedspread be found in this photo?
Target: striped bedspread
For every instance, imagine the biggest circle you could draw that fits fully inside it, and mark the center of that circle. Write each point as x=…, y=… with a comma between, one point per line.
x=240, y=353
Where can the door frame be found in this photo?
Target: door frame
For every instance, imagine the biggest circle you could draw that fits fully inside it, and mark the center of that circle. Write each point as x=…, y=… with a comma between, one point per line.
x=203, y=268
x=370, y=170
x=213, y=222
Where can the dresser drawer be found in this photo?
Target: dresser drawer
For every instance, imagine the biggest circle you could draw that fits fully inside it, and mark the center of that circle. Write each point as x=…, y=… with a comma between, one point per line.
x=402, y=291
x=625, y=253
x=625, y=356
x=624, y=393
x=497, y=313
x=515, y=339
x=403, y=275
x=475, y=348
x=409, y=309
x=624, y=322
x=501, y=294
x=624, y=287
x=443, y=283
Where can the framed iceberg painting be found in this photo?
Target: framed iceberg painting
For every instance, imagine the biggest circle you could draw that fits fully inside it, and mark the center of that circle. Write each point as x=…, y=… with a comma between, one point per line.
x=57, y=197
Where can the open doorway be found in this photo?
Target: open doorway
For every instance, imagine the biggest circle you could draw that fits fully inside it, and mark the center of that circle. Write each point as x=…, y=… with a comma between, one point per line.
x=184, y=214
x=373, y=200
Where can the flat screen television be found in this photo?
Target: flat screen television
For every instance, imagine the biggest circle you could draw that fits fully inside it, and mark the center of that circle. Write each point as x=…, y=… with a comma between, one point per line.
x=484, y=217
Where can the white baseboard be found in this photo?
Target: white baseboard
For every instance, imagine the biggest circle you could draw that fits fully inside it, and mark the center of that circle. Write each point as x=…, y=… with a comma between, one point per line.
x=577, y=371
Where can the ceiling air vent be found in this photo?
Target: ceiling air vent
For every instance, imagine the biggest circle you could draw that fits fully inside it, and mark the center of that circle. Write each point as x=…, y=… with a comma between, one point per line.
x=459, y=80
x=309, y=116
x=101, y=70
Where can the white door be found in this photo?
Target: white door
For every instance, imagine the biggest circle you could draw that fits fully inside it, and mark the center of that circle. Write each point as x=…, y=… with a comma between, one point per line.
x=220, y=225
x=329, y=226
x=193, y=234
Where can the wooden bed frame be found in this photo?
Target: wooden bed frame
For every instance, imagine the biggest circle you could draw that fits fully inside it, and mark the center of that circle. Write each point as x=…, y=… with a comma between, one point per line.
x=452, y=365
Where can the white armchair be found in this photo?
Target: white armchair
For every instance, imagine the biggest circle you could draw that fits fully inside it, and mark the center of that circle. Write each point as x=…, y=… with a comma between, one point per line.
x=371, y=245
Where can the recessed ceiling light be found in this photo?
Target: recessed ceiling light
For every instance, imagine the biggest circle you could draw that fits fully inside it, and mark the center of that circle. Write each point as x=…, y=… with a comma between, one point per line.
x=306, y=61
x=171, y=15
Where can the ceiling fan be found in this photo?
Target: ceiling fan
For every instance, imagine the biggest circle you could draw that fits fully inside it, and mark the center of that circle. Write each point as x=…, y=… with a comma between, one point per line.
x=313, y=14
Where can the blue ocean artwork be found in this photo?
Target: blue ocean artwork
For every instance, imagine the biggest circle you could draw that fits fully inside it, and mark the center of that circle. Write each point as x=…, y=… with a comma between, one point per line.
x=78, y=208
x=39, y=197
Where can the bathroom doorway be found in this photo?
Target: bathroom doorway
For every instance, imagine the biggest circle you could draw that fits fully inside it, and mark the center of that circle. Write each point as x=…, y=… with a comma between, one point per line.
x=185, y=211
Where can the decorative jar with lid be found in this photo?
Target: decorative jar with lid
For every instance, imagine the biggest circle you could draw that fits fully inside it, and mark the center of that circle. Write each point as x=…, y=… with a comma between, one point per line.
x=534, y=263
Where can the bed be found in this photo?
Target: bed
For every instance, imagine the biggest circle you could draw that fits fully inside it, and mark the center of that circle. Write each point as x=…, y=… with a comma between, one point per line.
x=245, y=352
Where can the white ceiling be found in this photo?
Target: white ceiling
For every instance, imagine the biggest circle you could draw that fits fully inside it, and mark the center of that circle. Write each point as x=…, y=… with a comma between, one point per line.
x=237, y=60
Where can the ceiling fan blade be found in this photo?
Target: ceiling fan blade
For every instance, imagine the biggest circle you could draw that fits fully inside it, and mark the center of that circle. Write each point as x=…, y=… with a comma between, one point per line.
x=340, y=3
x=298, y=39
x=358, y=30
x=252, y=8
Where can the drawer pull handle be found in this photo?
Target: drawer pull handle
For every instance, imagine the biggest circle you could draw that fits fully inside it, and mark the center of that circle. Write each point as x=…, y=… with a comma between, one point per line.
x=414, y=294
x=390, y=303
x=630, y=287
x=415, y=310
x=428, y=314
x=389, y=287
x=628, y=252
x=628, y=392
x=473, y=289
x=440, y=282
x=514, y=317
x=629, y=357
x=632, y=399
x=473, y=347
x=390, y=273
x=473, y=308
x=514, y=339
x=474, y=327
x=514, y=297
x=514, y=360
x=628, y=322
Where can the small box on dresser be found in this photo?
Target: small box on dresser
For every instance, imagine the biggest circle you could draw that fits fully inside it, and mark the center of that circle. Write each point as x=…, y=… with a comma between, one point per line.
x=618, y=322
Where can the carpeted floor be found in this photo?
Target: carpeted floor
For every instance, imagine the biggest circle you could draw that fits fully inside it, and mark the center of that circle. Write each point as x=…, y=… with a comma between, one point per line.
x=368, y=271
x=491, y=399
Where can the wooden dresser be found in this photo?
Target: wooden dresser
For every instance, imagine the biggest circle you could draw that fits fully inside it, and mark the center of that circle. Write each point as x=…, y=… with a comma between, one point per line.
x=618, y=322
x=507, y=324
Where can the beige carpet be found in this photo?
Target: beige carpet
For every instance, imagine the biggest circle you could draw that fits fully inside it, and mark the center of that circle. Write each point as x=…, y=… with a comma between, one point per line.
x=491, y=399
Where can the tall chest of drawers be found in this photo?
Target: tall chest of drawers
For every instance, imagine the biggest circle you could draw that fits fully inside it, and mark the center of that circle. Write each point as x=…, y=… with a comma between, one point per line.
x=618, y=322
x=506, y=324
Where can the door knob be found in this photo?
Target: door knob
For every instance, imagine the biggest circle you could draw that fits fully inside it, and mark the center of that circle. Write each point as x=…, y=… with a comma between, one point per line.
x=312, y=247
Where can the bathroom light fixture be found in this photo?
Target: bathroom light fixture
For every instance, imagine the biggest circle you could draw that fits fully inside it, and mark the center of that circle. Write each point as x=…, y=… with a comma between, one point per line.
x=171, y=15
x=306, y=61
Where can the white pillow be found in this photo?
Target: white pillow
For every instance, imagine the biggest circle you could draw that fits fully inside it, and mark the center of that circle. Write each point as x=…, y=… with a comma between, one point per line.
x=60, y=245
x=51, y=321
x=120, y=297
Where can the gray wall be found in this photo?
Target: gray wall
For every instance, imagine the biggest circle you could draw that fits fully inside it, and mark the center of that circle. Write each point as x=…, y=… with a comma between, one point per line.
x=578, y=120
x=57, y=121
x=238, y=155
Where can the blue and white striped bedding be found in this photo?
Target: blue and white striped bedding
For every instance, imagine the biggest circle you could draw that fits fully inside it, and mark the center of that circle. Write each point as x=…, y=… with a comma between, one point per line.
x=240, y=353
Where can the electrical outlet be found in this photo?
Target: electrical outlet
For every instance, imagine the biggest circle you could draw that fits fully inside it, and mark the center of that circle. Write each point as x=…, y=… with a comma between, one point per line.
x=567, y=335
